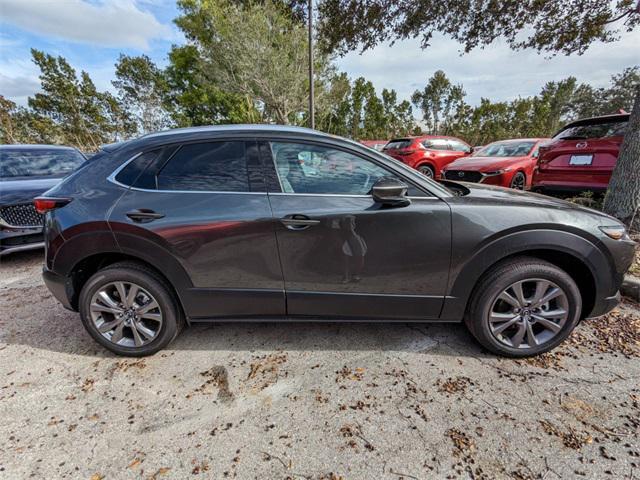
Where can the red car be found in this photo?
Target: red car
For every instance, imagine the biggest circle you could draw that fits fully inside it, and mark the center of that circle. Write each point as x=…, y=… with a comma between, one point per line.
x=581, y=156
x=427, y=154
x=508, y=163
x=375, y=144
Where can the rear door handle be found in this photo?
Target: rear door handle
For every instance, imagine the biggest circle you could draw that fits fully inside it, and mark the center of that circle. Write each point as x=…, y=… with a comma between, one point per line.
x=143, y=215
x=298, y=222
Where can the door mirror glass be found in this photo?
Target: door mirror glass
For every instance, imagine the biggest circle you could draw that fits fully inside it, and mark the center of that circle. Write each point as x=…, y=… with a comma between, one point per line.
x=390, y=191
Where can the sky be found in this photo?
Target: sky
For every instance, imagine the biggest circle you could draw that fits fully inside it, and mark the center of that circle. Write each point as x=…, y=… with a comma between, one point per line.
x=91, y=34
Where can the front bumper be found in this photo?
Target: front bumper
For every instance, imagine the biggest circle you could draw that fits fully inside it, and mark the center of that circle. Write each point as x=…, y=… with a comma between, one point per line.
x=16, y=239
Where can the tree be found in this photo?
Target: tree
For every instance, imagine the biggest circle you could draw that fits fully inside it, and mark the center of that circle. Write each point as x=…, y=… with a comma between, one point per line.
x=255, y=50
x=141, y=87
x=437, y=100
x=623, y=193
x=545, y=25
x=71, y=109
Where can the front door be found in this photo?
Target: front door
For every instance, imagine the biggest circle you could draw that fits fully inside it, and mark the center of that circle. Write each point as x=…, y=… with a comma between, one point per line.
x=345, y=256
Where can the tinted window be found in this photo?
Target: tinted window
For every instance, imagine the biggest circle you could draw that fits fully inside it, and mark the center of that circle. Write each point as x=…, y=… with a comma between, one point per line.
x=38, y=162
x=398, y=143
x=131, y=174
x=436, y=144
x=595, y=130
x=321, y=170
x=506, y=149
x=212, y=166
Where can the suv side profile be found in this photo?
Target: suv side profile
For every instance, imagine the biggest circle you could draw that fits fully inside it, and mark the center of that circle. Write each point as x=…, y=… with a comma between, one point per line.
x=428, y=154
x=226, y=223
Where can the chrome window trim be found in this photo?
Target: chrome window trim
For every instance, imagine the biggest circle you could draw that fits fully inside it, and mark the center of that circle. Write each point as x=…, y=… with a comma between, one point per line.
x=112, y=179
x=345, y=195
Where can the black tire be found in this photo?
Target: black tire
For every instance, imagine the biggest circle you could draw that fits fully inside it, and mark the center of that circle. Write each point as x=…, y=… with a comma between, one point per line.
x=500, y=277
x=427, y=170
x=518, y=181
x=154, y=284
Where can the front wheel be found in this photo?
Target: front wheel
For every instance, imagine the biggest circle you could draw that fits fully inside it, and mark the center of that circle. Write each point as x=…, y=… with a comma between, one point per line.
x=519, y=181
x=523, y=307
x=130, y=310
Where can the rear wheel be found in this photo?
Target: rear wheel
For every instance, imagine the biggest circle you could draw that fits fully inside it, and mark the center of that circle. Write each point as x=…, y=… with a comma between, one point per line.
x=427, y=170
x=523, y=307
x=519, y=181
x=129, y=310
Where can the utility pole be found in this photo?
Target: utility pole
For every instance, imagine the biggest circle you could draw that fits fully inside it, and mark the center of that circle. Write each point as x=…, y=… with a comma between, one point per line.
x=312, y=119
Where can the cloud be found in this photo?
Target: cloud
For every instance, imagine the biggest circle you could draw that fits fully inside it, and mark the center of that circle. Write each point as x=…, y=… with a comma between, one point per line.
x=115, y=23
x=496, y=72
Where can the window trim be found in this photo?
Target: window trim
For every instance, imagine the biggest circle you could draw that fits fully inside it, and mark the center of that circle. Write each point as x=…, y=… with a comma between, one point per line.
x=272, y=165
x=112, y=178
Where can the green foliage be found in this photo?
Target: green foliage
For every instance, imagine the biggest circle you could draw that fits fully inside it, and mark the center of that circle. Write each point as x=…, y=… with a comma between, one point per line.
x=568, y=26
x=438, y=100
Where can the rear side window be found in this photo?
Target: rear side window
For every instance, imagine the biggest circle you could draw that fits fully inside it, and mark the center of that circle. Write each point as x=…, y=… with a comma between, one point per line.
x=398, y=144
x=595, y=130
x=211, y=166
x=436, y=144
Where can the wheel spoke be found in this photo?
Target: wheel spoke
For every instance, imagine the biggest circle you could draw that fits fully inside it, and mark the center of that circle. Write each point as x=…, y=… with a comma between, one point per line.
x=107, y=300
x=156, y=317
x=131, y=296
x=96, y=307
x=531, y=337
x=145, y=308
x=517, y=289
x=548, y=324
x=118, y=333
x=136, y=337
x=146, y=332
x=498, y=330
x=554, y=293
x=541, y=288
x=502, y=317
x=516, y=340
x=505, y=296
x=558, y=312
x=108, y=326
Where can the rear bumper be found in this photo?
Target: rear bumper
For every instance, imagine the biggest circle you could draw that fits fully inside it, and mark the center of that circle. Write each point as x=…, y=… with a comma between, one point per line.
x=60, y=287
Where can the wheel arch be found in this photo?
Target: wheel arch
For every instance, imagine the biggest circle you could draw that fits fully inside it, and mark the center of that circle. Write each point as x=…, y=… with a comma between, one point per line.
x=580, y=258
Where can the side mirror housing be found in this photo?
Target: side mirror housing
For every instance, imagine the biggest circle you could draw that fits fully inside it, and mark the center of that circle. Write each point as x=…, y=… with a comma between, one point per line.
x=391, y=192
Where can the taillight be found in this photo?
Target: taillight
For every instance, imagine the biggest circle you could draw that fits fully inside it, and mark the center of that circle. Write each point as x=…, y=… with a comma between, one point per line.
x=45, y=204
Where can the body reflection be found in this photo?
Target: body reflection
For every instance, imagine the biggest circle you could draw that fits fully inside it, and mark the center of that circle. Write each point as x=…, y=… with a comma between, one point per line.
x=354, y=248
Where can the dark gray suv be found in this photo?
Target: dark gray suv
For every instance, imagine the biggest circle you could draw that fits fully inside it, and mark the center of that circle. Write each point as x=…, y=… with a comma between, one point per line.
x=264, y=222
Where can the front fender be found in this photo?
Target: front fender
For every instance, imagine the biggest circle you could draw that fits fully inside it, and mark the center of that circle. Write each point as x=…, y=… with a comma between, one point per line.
x=464, y=277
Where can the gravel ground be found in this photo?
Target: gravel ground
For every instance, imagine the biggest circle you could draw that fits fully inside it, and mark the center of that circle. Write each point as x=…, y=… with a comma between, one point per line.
x=316, y=401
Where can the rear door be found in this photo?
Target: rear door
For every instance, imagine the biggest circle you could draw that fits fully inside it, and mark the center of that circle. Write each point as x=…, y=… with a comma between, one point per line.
x=205, y=206
x=344, y=255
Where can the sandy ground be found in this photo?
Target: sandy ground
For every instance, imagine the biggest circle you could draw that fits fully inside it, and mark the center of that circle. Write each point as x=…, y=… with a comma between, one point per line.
x=314, y=401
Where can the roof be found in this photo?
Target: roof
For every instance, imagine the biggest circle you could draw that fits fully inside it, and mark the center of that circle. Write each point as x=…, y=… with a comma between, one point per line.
x=22, y=146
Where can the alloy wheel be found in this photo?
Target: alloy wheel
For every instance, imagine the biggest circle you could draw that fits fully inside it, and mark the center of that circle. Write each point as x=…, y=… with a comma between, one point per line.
x=126, y=314
x=528, y=313
x=426, y=171
x=518, y=181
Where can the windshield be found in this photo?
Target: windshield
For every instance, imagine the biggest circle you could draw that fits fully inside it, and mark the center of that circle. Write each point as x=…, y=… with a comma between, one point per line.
x=38, y=162
x=596, y=130
x=506, y=149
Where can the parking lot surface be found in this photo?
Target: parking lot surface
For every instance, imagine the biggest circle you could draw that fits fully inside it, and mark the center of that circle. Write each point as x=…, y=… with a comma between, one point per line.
x=309, y=401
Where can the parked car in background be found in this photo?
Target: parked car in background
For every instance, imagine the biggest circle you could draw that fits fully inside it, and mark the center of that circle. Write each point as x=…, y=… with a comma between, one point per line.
x=27, y=171
x=375, y=144
x=507, y=163
x=223, y=223
x=427, y=154
x=581, y=156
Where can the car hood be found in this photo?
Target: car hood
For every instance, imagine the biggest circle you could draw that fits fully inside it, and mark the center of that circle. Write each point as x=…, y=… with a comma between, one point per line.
x=25, y=189
x=507, y=196
x=484, y=164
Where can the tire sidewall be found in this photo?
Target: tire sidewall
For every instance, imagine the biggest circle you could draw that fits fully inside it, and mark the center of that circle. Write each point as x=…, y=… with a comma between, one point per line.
x=490, y=293
x=423, y=168
x=169, y=328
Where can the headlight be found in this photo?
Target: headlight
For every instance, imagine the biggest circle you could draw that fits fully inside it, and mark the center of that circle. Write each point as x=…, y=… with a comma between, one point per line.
x=617, y=232
x=496, y=172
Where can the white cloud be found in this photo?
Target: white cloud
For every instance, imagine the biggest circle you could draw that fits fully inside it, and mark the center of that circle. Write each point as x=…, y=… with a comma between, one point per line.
x=496, y=72
x=115, y=23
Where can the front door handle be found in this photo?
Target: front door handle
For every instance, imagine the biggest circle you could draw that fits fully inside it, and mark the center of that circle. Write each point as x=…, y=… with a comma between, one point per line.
x=143, y=215
x=298, y=222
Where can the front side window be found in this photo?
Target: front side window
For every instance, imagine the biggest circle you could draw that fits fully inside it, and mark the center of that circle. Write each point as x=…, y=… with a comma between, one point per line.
x=210, y=166
x=38, y=162
x=458, y=146
x=312, y=169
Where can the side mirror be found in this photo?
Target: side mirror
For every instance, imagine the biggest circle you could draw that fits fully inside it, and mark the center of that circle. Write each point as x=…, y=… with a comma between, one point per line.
x=391, y=192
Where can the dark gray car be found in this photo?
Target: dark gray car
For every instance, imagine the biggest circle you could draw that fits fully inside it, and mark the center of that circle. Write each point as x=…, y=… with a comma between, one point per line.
x=27, y=171
x=263, y=222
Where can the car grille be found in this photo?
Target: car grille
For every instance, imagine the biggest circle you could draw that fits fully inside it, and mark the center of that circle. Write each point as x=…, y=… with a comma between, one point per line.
x=463, y=175
x=23, y=215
